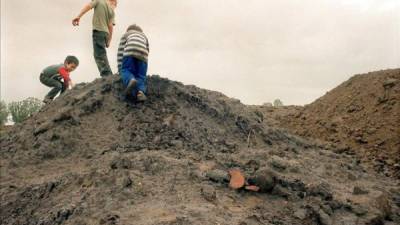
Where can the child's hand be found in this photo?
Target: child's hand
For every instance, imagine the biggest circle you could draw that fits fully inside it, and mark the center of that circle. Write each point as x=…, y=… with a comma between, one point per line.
x=75, y=22
x=108, y=43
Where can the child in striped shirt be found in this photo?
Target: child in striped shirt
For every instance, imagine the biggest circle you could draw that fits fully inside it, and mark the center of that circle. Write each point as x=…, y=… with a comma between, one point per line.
x=133, y=54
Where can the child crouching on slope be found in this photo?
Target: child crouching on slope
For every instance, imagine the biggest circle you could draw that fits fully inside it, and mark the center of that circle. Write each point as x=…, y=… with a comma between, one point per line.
x=57, y=77
x=133, y=54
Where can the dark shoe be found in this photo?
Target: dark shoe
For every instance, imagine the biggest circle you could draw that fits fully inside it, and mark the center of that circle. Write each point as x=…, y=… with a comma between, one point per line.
x=106, y=75
x=141, y=97
x=131, y=85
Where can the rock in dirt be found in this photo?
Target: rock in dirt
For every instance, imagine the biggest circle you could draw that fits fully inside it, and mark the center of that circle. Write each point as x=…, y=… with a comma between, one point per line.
x=279, y=163
x=126, y=182
x=219, y=176
x=110, y=220
x=383, y=204
x=280, y=191
x=324, y=218
x=43, y=128
x=321, y=189
x=357, y=190
x=209, y=193
x=301, y=214
x=121, y=163
x=390, y=82
x=265, y=179
x=396, y=199
x=359, y=210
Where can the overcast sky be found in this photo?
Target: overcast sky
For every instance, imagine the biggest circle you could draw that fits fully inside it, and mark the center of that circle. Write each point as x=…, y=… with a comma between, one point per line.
x=253, y=50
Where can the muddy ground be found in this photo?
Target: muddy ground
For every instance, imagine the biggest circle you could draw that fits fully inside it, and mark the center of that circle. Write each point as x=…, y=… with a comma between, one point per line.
x=361, y=116
x=90, y=158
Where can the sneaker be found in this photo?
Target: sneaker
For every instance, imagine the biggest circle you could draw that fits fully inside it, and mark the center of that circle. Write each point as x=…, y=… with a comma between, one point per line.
x=131, y=85
x=106, y=75
x=141, y=97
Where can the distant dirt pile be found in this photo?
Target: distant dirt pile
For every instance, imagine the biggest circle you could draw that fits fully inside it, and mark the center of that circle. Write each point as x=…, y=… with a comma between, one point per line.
x=362, y=115
x=90, y=158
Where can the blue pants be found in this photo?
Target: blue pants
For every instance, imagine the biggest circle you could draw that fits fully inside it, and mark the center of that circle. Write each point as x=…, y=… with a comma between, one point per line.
x=133, y=68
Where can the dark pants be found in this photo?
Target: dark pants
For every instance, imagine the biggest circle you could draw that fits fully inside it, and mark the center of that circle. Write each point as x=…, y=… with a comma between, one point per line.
x=100, y=53
x=136, y=69
x=56, y=84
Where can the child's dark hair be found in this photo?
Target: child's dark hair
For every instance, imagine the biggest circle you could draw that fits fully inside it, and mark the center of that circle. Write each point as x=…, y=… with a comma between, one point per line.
x=135, y=27
x=71, y=59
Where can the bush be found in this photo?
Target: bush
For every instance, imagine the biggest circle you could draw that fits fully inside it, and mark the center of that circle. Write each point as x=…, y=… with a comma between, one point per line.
x=268, y=104
x=21, y=110
x=3, y=113
x=278, y=103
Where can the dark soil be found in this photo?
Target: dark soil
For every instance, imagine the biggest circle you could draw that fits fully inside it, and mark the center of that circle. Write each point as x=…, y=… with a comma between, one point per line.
x=361, y=116
x=90, y=158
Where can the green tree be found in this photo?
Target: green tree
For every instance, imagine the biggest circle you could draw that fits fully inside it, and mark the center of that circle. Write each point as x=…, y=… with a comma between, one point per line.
x=21, y=110
x=267, y=104
x=3, y=113
x=278, y=103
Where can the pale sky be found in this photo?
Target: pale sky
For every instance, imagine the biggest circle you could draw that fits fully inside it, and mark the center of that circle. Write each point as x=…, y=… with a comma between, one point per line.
x=253, y=50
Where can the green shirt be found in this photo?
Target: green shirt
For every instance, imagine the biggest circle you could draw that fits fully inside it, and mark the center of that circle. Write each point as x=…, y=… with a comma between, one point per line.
x=52, y=70
x=103, y=15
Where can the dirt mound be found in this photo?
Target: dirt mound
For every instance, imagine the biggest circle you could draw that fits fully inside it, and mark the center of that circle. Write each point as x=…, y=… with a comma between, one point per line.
x=362, y=115
x=90, y=158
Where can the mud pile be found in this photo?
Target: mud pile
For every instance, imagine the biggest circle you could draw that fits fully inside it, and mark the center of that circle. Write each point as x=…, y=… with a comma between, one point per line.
x=362, y=115
x=90, y=158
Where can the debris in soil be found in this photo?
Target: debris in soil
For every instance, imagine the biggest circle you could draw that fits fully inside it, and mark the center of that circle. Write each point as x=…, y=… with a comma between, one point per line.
x=209, y=193
x=252, y=188
x=357, y=190
x=265, y=179
x=218, y=176
x=237, y=180
x=89, y=158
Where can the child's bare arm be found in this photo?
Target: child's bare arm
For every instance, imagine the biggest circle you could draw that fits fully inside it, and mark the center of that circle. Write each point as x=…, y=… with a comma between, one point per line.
x=85, y=9
x=110, y=29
